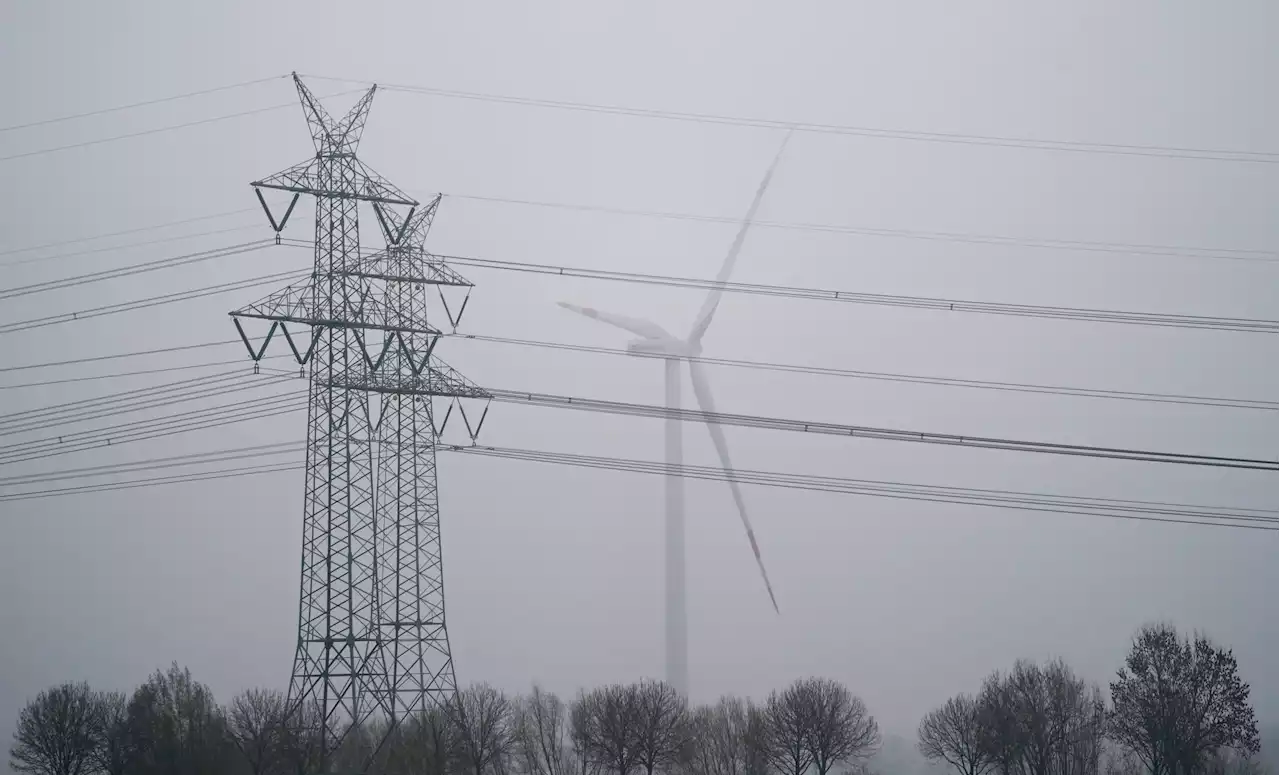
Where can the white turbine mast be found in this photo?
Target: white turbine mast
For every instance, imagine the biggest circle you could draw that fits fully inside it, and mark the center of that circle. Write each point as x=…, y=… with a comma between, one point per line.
x=656, y=341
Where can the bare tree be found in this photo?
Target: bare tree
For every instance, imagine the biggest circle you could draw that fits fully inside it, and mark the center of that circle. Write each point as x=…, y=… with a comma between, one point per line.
x=756, y=741
x=483, y=718
x=1232, y=761
x=254, y=722
x=841, y=731
x=1177, y=702
x=953, y=734
x=178, y=727
x=542, y=734
x=357, y=745
x=606, y=725
x=1041, y=721
x=785, y=739
x=720, y=738
x=425, y=744
x=56, y=733
x=302, y=746
x=662, y=725
x=585, y=761
x=1079, y=715
x=998, y=724
x=114, y=747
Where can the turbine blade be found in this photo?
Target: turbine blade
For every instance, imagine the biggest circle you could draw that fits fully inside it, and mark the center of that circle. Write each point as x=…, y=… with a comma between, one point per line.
x=637, y=326
x=703, y=321
x=702, y=390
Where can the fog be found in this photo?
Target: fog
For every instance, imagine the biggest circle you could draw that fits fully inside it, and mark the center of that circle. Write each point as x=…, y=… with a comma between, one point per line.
x=554, y=574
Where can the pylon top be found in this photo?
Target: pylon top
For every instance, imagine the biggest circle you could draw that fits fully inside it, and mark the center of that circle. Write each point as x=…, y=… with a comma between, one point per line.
x=335, y=143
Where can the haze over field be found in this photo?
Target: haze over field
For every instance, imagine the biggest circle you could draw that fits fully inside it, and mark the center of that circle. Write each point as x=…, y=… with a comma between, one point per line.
x=554, y=574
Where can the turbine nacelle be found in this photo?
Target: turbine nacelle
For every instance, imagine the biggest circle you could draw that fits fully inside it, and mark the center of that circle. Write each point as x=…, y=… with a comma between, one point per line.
x=666, y=346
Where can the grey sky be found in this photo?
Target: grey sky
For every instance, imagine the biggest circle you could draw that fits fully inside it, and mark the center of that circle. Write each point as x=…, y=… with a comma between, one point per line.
x=555, y=574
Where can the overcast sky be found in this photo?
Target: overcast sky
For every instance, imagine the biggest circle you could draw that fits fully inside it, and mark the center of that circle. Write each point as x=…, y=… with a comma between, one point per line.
x=555, y=574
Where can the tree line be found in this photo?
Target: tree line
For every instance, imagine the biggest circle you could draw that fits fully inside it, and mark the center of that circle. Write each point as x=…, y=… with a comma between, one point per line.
x=171, y=725
x=1177, y=707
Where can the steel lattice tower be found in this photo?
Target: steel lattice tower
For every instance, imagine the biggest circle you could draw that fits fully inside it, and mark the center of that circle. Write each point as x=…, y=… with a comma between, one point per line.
x=372, y=641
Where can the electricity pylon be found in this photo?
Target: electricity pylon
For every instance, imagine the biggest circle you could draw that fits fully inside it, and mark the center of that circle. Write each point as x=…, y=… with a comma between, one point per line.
x=372, y=642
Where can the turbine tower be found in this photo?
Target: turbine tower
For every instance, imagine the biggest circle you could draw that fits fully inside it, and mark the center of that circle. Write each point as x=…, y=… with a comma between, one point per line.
x=656, y=341
x=371, y=628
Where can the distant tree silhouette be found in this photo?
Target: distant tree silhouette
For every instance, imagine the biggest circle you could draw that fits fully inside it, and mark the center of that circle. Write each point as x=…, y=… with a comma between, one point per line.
x=541, y=730
x=301, y=745
x=605, y=724
x=662, y=725
x=1177, y=702
x=720, y=739
x=426, y=744
x=483, y=716
x=177, y=728
x=114, y=749
x=785, y=739
x=56, y=733
x=1041, y=720
x=953, y=734
x=840, y=730
x=255, y=722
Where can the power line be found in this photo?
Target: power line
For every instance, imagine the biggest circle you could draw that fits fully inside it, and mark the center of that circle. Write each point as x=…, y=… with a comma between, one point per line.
x=169, y=461
x=155, y=130
x=169, y=425
x=1227, y=254
x=69, y=441
x=151, y=482
x=116, y=356
x=1125, y=149
x=1166, y=398
x=144, y=103
x=121, y=374
x=992, y=498
x=129, y=245
x=151, y=301
x=1020, y=387
x=176, y=423
x=1079, y=314
x=886, y=434
x=123, y=232
x=1147, y=511
x=133, y=269
x=126, y=402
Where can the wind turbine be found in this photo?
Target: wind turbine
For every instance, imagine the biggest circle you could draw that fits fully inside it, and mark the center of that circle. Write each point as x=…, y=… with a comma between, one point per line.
x=656, y=341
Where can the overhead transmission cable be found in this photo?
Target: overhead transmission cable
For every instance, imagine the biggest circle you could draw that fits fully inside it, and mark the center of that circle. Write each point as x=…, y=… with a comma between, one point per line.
x=137, y=230
x=116, y=356
x=1126, y=149
x=143, y=103
x=1021, y=501
x=152, y=301
x=1226, y=254
x=823, y=428
x=1020, y=387
x=156, y=130
x=132, y=373
x=154, y=427
x=125, y=402
x=1078, y=314
x=130, y=245
x=1147, y=511
x=867, y=432
x=133, y=269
